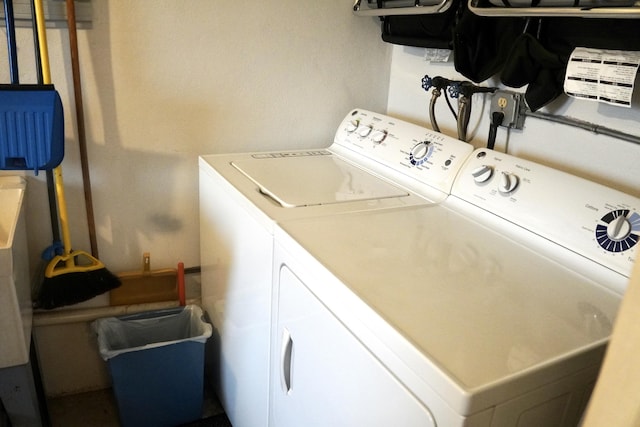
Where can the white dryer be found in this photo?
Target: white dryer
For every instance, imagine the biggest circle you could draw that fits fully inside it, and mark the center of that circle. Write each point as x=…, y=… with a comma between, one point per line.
x=375, y=162
x=491, y=309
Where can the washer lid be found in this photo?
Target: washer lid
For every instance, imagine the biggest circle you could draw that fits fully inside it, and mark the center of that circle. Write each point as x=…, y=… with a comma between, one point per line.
x=314, y=178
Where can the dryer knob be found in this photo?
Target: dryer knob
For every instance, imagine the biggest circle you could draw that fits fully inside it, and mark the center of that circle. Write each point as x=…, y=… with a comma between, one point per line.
x=508, y=183
x=482, y=174
x=353, y=125
x=619, y=228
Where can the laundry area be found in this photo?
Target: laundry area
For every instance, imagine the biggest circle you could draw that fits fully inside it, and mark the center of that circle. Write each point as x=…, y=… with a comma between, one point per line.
x=349, y=213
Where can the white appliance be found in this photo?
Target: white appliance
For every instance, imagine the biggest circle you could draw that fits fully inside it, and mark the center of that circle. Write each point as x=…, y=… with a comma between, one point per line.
x=490, y=309
x=375, y=163
x=19, y=376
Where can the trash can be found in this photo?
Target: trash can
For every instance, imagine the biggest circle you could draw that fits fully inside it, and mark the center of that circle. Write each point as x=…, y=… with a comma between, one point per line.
x=156, y=363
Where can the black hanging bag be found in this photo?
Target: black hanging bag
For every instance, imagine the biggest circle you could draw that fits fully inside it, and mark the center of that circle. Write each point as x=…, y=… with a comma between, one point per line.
x=430, y=31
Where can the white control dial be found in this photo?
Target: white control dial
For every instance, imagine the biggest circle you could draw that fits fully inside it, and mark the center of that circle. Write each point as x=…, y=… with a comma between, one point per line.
x=619, y=228
x=379, y=136
x=482, y=174
x=365, y=131
x=508, y=183
x=420, y=152
x=353, y=125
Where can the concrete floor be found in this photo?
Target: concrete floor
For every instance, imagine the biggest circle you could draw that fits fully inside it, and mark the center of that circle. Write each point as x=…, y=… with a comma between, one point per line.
x=98, y=409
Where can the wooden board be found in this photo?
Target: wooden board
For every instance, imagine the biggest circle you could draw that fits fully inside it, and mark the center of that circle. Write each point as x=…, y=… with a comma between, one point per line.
x=144, y=287
x=616, y=397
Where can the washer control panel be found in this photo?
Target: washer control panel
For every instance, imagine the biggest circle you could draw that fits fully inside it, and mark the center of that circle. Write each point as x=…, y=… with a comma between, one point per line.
x=596, y=221
x=409, y=153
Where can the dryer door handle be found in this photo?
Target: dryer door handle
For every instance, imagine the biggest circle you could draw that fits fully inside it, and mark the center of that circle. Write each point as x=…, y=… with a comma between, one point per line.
x=286, y=359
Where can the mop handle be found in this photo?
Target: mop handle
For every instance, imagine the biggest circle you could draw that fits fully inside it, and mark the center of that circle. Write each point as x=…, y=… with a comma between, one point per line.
x=11, y=41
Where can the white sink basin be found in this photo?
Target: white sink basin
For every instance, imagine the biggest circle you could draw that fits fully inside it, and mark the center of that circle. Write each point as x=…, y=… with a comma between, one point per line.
x=15, y=286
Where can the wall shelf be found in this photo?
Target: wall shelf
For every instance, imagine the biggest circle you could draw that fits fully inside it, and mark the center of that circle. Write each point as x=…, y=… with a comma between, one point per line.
x=481, y=8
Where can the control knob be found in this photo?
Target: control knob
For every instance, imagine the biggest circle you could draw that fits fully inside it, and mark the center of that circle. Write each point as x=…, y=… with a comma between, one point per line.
x=353, y=125
x=618, y=231
x=508, y=183
x=482, y=174
x=420, y=152
x=365, y=131
x=619, y=228
x=379, y=136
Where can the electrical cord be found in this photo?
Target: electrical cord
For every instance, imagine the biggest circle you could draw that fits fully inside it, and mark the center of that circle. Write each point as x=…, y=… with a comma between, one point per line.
x=497, y=118
x=453, y=111
x=465, y=91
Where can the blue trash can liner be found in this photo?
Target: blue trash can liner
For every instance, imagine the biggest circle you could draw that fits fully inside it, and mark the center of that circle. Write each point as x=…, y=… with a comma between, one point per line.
x=156, y=363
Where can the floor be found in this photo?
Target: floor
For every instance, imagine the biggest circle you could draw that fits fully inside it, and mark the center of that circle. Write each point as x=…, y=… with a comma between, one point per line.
x=98, y=409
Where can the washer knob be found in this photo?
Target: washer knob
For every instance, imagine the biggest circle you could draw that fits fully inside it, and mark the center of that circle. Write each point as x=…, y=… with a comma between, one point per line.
x=482, y=174
x=365, y=131
x=420, y=152
x=508, y=183
x=353, y=125
x=379, y=136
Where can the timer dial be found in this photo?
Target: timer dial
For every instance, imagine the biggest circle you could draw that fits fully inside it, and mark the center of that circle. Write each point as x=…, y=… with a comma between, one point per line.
x=420, y=152
x=618, y=230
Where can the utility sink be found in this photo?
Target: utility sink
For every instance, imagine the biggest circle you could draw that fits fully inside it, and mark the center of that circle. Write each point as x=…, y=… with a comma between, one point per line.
x=15, y=286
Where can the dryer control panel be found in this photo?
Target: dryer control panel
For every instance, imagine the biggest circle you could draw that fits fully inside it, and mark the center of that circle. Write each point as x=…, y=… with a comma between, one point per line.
x=590, y=219
x=405, y=152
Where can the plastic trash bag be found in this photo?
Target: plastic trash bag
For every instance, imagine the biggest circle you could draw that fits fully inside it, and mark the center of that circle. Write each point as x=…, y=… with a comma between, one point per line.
x=142, y=331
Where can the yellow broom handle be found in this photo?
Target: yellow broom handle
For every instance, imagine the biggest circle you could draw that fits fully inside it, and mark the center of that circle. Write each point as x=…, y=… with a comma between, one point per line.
x=42, y=42
x=57, y=172
x=62, y=212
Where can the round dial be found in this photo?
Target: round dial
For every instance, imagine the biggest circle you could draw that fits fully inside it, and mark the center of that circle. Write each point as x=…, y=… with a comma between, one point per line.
x=618, y=230
x=420, y=152
x=508, y=183
x=379, y=136
x=365, y=131
x=482, y=174
x=353, y=125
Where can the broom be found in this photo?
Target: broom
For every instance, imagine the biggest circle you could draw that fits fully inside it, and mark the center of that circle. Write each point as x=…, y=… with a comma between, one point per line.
x=74, y=276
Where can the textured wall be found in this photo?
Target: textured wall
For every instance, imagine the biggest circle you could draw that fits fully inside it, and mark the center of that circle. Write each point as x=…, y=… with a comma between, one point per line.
x=165, y=81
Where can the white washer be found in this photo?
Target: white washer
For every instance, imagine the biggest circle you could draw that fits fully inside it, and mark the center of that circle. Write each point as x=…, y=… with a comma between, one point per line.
x=374, y=163
x=491, y=309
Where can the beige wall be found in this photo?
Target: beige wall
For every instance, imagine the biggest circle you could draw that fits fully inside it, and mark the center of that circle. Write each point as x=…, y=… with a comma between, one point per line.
x=165, y=81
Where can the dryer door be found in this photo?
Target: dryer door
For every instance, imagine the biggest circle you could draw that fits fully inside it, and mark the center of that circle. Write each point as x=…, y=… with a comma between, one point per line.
x=323, y=376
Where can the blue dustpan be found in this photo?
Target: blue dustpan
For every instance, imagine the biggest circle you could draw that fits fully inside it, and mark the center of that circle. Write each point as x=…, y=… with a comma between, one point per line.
x=31, y=127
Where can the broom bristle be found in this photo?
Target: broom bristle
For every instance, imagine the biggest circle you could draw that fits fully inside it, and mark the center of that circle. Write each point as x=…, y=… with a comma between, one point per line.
x=72, y=288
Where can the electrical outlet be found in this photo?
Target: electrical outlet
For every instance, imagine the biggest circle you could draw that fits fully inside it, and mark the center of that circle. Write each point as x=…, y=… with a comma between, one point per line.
x=508, y=103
